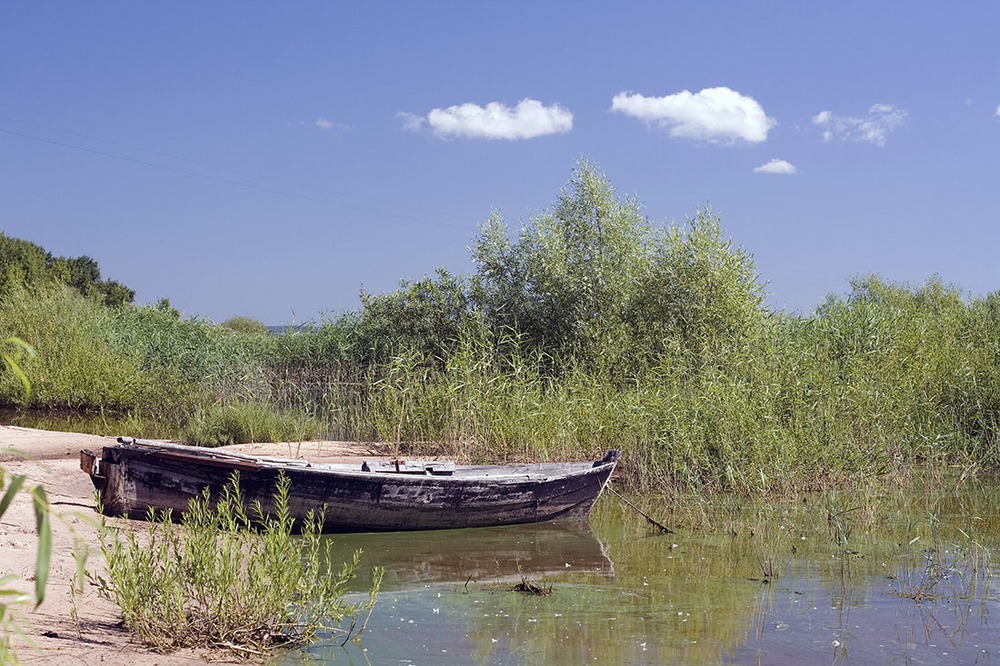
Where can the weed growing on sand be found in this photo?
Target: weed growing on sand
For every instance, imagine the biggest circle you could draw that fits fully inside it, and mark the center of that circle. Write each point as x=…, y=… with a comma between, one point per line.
x=223, y=579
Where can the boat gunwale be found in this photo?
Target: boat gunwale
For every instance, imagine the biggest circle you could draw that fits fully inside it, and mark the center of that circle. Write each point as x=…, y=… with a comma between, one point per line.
x=504, y=474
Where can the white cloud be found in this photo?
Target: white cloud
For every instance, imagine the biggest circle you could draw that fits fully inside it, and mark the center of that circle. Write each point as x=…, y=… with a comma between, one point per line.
x=874, y=127
x=411, y=122
x=998, y=110
x=327, y=125
x=529, y=119
x=778, y=167
x=718, y=115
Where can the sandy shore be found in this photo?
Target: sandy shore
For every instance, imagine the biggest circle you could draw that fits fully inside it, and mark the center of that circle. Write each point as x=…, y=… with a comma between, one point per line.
x=53, y=460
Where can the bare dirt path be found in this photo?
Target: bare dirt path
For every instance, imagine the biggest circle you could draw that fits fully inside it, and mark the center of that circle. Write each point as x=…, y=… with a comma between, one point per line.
x=53, y=460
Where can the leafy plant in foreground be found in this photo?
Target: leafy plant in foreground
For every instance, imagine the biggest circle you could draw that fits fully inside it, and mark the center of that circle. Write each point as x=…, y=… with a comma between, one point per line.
x=224, y=579
x=14, y=349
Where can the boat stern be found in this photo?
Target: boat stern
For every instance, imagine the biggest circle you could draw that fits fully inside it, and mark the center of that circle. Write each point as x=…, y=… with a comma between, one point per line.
x=108, y=477
x=90, y=464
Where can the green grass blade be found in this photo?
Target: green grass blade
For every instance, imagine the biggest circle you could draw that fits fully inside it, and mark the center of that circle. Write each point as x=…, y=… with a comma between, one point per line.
x=16, y=481
x=44, y=528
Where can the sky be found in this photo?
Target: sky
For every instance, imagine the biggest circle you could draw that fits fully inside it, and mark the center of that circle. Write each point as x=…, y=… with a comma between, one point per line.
x=272, y=160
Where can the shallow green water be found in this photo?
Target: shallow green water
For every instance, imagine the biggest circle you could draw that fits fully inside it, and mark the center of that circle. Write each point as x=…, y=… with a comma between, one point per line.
x=902, y=575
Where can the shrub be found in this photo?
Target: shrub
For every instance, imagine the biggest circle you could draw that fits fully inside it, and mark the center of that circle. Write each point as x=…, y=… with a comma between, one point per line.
x=245, y=325
x=228, y=580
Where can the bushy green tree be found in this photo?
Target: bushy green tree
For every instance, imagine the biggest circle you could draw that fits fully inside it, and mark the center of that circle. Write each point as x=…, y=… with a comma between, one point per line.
x=594, y=280
x=25, y=264
x=568, y=277
x=425, y=317
x=83, y=274
x=696, y=293
x=247, y=325
x=21, y=263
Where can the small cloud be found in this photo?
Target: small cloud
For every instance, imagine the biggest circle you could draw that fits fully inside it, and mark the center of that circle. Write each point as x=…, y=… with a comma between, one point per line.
x=998, y=111
x=717, y=115
x=777, y=167
x=874, y=127
x=529, y=119
x=411, y=122
x=327, y=125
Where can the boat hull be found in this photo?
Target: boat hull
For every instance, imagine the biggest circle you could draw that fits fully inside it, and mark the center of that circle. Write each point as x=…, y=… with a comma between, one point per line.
x=134, y=477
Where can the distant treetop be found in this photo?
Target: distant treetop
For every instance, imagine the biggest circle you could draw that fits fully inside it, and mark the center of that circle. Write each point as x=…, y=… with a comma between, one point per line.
x=25, y=264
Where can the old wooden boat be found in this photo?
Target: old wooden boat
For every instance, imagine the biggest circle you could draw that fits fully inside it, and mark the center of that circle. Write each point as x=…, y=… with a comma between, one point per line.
x=133, y=476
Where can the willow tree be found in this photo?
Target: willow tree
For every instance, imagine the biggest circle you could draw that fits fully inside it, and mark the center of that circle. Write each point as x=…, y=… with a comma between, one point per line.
x=593, y=280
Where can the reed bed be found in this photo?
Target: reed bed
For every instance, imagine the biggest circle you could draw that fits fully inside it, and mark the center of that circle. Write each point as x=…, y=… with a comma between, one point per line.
x=590, y=328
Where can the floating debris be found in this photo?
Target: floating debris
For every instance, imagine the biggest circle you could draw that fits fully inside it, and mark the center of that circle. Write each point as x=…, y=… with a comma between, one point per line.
x=528, y=587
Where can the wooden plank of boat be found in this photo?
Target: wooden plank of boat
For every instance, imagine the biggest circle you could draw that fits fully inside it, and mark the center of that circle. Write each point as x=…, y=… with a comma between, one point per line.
x=136, y=475
x=409, y=466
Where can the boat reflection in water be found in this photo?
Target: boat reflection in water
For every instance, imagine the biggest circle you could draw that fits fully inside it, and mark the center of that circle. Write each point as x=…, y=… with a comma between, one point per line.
x=482, y=555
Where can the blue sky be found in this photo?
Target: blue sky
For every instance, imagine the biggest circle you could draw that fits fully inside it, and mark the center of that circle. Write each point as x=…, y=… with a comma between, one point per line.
x=272, y=159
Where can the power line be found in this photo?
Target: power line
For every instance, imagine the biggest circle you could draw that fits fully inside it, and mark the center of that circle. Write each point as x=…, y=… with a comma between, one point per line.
x=229, y=169
x=229, y=181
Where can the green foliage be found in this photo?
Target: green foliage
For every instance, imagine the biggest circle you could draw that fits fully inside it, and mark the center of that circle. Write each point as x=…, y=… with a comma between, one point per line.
x=15, y=352
x=10, y=595
x=115, y=294
x=240, y=423
x=916, y=368
x=24, y=264
x=245, y=325
x=10, y=486
x=333, y=343
x=76, y=363
x=228, y=579
x=594, y=327
x=697, y=294
x=21, y=263
x=425, y=316
x=594, y=280
x=591, y=327
x=194, y=355
x=92, y=356
x=567, y=280
x=163, y=305
x=886, y=377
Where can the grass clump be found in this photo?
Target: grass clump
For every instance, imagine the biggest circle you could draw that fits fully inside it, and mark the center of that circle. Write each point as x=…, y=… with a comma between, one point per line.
x=226, y=579
x=241, y=423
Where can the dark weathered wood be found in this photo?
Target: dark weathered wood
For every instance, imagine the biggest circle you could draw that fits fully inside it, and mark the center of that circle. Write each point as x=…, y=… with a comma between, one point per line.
x=134, y=476
x=442, y=467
